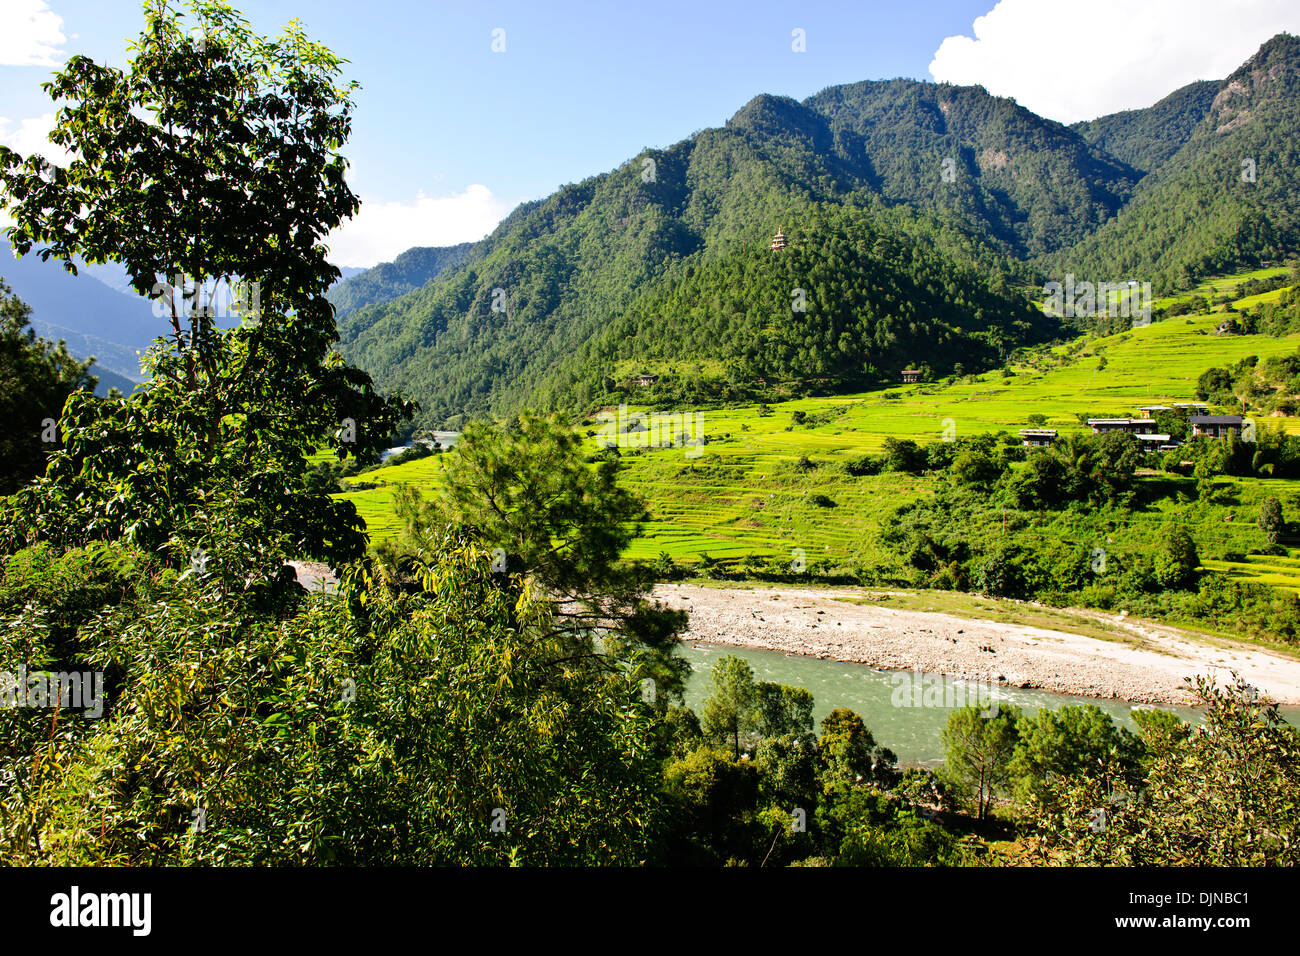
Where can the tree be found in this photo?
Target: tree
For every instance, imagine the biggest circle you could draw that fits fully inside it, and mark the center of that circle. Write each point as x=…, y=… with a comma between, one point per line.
x=1065, y=742
x=731, y=711
x=524, y=492
x=1176, y=559
x=36, y=378
x=783, y=710
x=1224, y=794
x=212, y=158
x=380, y=728
x=974, y=466
x=1271, y=520
x=849, y=754
x=978, y=753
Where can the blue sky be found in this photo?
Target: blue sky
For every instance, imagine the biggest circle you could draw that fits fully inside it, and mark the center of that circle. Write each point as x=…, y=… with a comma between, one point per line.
x=450, y=135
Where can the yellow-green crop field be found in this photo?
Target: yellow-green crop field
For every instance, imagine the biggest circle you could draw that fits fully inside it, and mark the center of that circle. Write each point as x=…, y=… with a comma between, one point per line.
x=744, y=495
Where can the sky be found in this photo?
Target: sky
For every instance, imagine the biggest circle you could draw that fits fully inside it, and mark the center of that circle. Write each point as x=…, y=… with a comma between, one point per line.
x=467, y=109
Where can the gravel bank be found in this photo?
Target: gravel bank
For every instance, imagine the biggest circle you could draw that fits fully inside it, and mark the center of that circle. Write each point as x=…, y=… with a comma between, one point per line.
x=1148, y=669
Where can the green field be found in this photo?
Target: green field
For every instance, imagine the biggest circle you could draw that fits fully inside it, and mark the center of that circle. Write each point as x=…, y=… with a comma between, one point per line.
x=744, y=495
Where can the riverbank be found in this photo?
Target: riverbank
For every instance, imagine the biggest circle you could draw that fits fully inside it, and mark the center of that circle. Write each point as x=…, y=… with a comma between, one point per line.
x=1143, y=662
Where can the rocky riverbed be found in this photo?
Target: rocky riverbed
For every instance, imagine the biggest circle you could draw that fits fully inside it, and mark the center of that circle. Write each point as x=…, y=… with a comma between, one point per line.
x=1146, y=664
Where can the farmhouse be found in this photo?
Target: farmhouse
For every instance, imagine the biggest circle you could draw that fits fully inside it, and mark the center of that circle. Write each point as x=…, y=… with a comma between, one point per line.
x=647, y=380
x=1134, y=426
x=1156, y=441
x=1149, y=411
x=1190, y=408
x=1216, y=426
x=911, y=375
x=1037, y=437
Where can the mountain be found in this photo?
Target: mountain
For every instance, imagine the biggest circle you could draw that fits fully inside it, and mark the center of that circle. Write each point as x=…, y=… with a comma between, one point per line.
x=389, y=280
x=1147, y=138
x=94, y=318
x=1228, y=198
x=527, y=316
x=1028, y=182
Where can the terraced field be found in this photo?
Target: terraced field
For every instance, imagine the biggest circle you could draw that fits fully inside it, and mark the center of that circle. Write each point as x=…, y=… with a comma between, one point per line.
x=747, y=495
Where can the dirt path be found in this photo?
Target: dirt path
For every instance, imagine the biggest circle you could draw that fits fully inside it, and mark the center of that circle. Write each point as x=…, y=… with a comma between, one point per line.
x=1148, y=668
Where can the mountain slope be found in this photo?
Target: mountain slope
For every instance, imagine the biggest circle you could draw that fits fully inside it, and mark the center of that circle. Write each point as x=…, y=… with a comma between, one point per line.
x=1228, y=198
x=389, y=280
x=509, y=321
x=1147, y=138
x=1029, y=182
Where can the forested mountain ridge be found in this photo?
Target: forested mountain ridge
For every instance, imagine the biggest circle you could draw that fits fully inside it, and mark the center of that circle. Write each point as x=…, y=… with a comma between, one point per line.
x=1028, y=182
x=1227, y=198
x=531, y=313
x=389, y=280
x=1147, y=138
x=557, y=273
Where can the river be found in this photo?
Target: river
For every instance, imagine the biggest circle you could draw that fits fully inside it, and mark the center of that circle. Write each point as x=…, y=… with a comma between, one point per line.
x=911, y=732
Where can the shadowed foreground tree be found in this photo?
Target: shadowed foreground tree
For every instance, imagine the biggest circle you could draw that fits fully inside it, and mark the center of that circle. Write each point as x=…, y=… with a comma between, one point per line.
x=213, y=157
x=430, y=728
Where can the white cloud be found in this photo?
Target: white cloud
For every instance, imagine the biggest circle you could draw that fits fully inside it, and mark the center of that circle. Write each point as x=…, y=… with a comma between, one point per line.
x=30, y=34
x=380, y=231
x=32, y=135
x=1080, y=59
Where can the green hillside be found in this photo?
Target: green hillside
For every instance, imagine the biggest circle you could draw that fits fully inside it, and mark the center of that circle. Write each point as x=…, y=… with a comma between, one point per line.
x=704, y=505
x=1147, y=138
x=1226, y=199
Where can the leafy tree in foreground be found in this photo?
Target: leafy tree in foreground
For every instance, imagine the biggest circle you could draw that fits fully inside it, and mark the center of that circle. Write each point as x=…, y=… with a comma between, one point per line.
x=214, y=158
x=978, y=754
x=524, y=492
x=430, y=730
x=36, y=378
x=1225, y=794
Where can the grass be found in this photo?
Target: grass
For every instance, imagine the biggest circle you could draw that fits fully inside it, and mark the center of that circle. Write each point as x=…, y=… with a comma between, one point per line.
x=745, y=496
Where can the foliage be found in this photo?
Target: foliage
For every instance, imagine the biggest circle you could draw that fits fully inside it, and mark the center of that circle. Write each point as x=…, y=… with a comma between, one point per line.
x=36, y=378
x=1225, y=794
x=211, y=158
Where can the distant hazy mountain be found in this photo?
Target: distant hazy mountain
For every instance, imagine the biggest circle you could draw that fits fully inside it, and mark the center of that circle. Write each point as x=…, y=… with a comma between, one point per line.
x=93, y=317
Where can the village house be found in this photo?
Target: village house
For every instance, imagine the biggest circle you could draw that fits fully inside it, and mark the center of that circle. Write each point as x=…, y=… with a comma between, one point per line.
x=1155, y=441
x=911, y=375
x=647, y=380
x=1134, y=426
x=1187, y=409
x=1215, y=426
x=1037, y=437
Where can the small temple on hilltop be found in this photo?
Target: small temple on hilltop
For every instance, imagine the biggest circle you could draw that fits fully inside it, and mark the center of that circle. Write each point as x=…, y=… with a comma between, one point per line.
x=778, y=241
